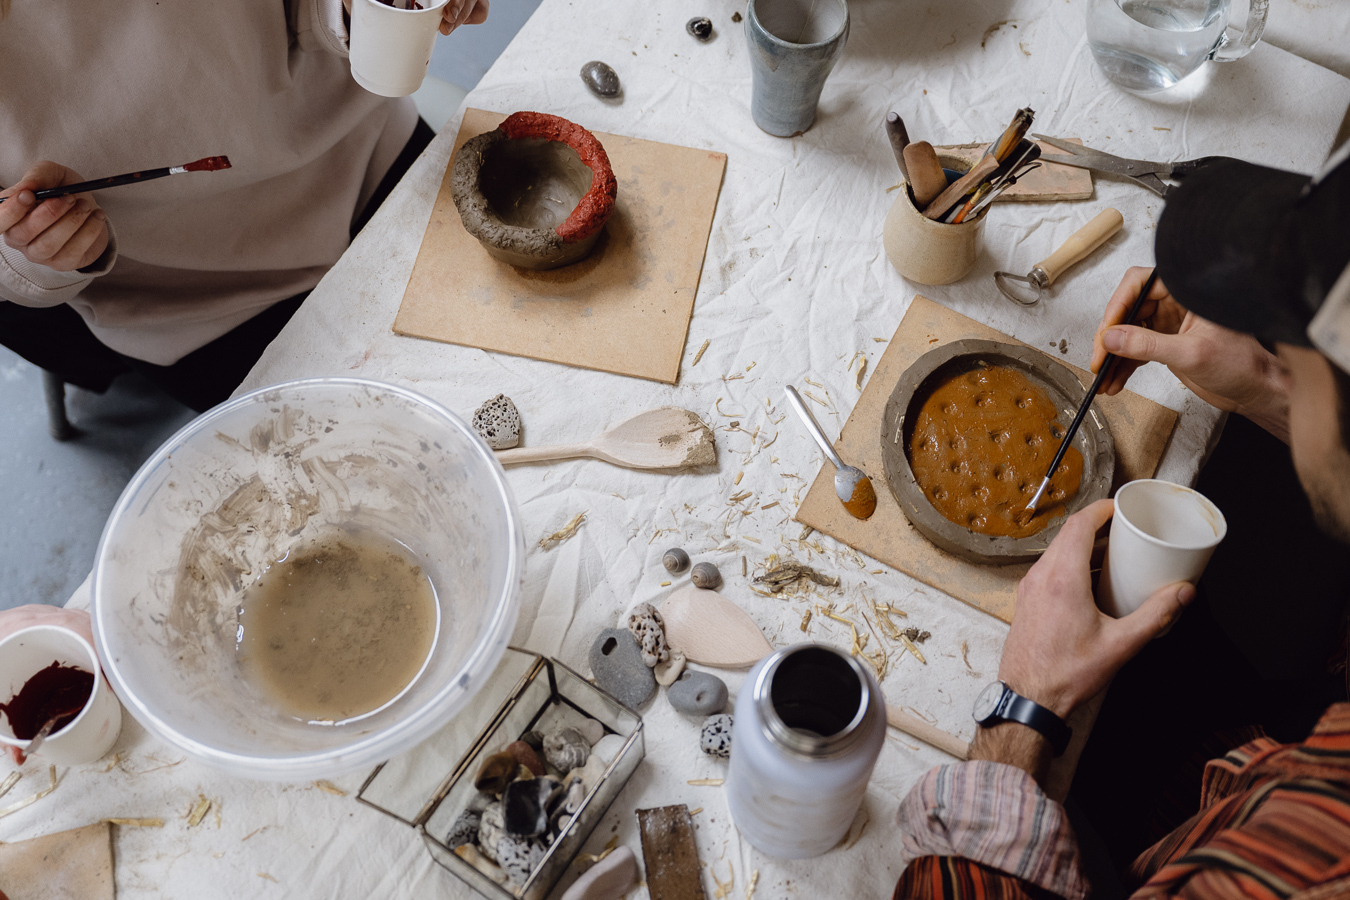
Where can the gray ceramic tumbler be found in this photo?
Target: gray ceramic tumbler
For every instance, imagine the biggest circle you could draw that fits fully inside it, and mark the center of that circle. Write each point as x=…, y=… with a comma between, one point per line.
x=794, y=45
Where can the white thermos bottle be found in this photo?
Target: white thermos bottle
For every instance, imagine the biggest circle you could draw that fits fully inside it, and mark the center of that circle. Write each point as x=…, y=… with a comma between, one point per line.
x=809, y=726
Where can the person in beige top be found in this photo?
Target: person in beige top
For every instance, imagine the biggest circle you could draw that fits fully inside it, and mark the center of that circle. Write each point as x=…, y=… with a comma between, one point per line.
x=185, y=279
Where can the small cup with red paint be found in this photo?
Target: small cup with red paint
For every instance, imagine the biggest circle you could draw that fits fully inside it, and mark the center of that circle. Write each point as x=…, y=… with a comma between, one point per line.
x=50, y=672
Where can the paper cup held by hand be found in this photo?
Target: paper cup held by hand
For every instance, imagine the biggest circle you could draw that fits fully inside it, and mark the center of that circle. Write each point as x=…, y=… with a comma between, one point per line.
x=1162, y=533
x=92, y=732
x=390, y=48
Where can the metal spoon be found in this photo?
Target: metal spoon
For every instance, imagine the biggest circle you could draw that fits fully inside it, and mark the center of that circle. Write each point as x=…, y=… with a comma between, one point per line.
x=1026, y=290
x=851, y=484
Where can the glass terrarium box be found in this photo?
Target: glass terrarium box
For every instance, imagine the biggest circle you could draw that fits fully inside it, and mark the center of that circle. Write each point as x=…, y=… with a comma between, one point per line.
x=432, y=786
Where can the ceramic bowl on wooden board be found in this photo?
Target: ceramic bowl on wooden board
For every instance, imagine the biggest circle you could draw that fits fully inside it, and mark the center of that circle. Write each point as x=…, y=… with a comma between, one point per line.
x=1059, y=383
x=536, y=191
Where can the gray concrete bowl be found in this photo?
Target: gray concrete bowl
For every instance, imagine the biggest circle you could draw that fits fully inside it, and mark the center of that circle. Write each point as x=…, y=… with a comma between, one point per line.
x=1059, y=383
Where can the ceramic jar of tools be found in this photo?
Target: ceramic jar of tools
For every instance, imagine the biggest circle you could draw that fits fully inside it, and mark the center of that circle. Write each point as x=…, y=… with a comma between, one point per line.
x=809, y=725
x=928, y=252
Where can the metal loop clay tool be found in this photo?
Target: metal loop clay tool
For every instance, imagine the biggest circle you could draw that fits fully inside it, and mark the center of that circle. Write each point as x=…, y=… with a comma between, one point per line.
x=1026, y=290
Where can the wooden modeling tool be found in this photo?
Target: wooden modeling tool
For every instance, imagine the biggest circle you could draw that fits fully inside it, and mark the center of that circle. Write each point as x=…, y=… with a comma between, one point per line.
x=929, y=734
x=207, y=164
x=851, y=485
x=995, y=155
x=670, y=853
x=1026, y=290
x=664, y=438
x=1089, y=397
x=926, y=177
x=711, y=630
x=899, y=138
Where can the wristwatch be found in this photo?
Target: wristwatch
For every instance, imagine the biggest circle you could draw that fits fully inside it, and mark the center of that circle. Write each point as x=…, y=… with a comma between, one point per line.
x=1000, y=703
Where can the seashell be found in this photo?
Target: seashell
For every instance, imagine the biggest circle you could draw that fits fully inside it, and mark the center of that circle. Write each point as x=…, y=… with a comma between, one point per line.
x=667, y=672
x=706, y=576
x=715, y=739
x=566, y=749
x=650, y=632
x=676, y=561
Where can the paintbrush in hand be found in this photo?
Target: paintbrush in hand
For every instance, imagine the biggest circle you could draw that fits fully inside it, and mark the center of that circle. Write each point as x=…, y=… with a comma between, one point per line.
x=208, y=164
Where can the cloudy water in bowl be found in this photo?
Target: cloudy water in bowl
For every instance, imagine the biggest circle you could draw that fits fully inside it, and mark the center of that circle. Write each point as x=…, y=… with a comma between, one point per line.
x=1150, y=45
x=338, y=628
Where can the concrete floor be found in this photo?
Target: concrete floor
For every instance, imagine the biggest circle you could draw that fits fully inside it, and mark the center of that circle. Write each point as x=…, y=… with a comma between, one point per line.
x=56, y=497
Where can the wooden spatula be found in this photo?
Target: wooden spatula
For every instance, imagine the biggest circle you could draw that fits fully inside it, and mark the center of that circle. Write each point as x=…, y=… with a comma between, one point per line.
x=665, y=438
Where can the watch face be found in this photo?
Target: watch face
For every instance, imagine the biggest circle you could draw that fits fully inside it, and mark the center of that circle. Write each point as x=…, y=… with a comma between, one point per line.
x=987, y=702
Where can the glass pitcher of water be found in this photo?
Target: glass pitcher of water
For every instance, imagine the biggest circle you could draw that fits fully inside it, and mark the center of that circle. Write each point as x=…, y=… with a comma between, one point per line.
x=1150, y=45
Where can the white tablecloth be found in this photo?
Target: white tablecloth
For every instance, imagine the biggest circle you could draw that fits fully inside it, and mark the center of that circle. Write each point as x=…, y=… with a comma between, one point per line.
x=794, y=284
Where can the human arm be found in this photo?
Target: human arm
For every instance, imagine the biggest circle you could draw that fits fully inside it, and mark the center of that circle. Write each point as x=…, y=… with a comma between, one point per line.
x=987, y=821
x=1226, y=369
x=51, y=250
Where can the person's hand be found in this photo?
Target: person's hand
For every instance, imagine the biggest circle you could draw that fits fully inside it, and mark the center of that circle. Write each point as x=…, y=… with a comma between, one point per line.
x=1061, y=649
x=21, y=617
x=1226, y=369
x=463, y=12
x=63, y=233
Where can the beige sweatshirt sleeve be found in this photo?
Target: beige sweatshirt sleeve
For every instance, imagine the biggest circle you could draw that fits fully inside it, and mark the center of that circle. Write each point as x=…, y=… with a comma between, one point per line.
x=27, y=283
x=320, y=25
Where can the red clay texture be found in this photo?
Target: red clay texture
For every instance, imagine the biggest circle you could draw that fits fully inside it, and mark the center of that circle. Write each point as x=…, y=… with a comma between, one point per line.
x=594, y=209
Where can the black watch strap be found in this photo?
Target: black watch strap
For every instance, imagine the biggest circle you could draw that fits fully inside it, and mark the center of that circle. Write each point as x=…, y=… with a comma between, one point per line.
x=1013, y=707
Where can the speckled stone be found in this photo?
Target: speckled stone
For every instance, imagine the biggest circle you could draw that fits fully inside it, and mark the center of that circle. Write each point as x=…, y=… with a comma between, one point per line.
x=464, y=831
x=526, y=756
x=498, y=422
x=698, y=694
x=700, y=27
x=667, y=672
x=650, y=633
x=517, y=856
x=715, y=739
x=616, y=662
x=525, y=806
x=601, y=79
x=566, y=749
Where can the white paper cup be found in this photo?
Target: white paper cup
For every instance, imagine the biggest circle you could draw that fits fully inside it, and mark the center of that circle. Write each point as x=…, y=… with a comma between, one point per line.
x=91, y=733
x=1162, y=533
x=390, y=48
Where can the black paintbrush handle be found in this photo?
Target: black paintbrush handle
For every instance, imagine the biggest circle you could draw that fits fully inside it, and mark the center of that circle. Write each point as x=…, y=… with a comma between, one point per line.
x=99, y=184
x=1097, y=382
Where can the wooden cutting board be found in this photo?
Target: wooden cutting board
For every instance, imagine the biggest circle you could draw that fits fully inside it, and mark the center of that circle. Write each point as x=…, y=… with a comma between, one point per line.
x=623, y=309
x=1139, y=427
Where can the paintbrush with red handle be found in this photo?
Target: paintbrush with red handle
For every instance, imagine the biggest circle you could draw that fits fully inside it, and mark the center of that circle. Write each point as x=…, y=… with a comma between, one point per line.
x=208, y=164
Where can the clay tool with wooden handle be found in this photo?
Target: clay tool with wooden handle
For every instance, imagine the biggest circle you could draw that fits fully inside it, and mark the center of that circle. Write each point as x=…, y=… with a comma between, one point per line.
x=926, y=178
x=995, y=155
x=665, y=438
x=1026, y=290
x=929, y=734
x=899, y=138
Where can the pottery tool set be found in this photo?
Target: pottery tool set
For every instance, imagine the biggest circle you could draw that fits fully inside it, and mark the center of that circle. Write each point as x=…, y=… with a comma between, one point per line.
x=1027, y=290
x=206, y=164
x=998, y=168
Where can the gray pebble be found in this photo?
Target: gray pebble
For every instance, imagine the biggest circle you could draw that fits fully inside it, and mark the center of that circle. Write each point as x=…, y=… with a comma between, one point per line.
x=464, y=831
x=675, y=560
x=601, y=79
x=498, y=422
x=525, y=806
x=650, y=631
x=616, y=662
x=715, y=740
x=700, y=27
x=698, y=694
x=706, y=576
x=566, y=749
x=592, y=730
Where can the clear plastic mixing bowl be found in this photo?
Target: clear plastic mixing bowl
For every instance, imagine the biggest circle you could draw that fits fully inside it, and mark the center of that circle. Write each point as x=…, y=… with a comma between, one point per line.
x=233, y=492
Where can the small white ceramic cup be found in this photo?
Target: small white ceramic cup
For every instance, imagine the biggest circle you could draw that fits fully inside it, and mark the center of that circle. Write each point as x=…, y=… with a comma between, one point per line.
x=92, y=733
x=1162, y=533
x=390, y=48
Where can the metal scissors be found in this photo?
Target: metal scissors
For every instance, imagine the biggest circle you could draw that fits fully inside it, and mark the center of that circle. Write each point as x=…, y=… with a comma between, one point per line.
x=1142, y=172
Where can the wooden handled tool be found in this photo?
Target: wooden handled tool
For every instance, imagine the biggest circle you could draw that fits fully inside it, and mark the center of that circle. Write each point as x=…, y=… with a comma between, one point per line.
x=982, y=171
x=1082, y=242
x=929, y=734
x=664, y=438
x=899, y=138
x=925, y=173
